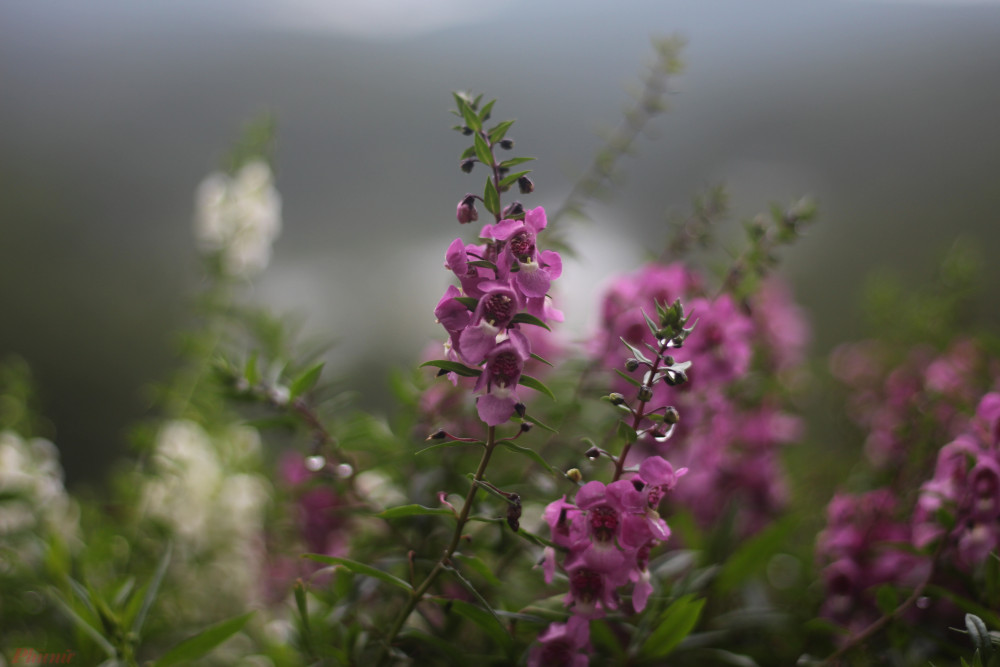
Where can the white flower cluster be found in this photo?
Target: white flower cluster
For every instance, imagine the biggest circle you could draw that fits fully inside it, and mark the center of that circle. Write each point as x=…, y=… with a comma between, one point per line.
x=34, y=505
x=205, y=492
x=239, y=217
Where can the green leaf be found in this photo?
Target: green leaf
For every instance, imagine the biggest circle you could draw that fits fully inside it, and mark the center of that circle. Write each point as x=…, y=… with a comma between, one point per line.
x=486, y=264
x=483, y=150
x=476, y=594
x=886, y=599
x=484, y=619
x=360, y=568
x=470, y=117
x=510, y=179
x=468, y=152
x=450, y=443
x=636, y=352
x=532, y=454
x=626, y=433
x=499, y=131
x=306, y=381
x=484, y=113
x=468, y=301
x=752, y=556
x=203, y=642
x=302, y=602
x=628, y=378
x=980, y=635
x=532, y=383
x=676, y=623
x=515, y=161
x=538, y=358
x=654, y=328
x=453, y=367
x=491, y=199
x=525, y=318
x=413, y=510
x=481, y=568
x=152, y=589
x=89, y=629
x=539, y=424
x=250, y=371
x=537, y=540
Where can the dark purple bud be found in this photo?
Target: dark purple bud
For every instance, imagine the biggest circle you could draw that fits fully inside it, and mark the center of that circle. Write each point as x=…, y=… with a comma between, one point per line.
x=506, y=144
x=525, y=185
x=468, y=164
x=437, y=435
x=466, y=211
x=513, y=210
x=645, y=394
x=526, y=426
x=466, y=130
x=520, y=409
x=593, y=453
x=514, y=512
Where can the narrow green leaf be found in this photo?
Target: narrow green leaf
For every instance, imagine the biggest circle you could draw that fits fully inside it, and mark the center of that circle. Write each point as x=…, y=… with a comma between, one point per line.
x=483, y=150
x=470, y=117
x=539, y=424
x=93, y=632
x=499, y=131
x=654, y=328
x=486, y=264
x=980, y=635
x=413, y=510
x=467, y=585
x=752, y=556
x=515, y=161
x=468, y=152
x=491, y=199
x=453, y=367
x=532, y=454
x=537, y=540
x=636, y=352
x=306, y=381
x=525, y=318
x=628, y=378
x=510, y=179
x=532, y=383
x=468, y=301
x=360, y=568
x=538, y=358
x=152, y=589
x=450, y=443
x=203, y=642
x=302, y=602
x=250, y=370
x=676, y=623
x=484, y=113
x=481, y=568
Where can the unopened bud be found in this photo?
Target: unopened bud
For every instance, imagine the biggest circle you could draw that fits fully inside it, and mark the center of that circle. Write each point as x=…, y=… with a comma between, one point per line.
x=668, y=360
x=526, y=426
x=279, y=396
x=645, y=394
x=506, y=144
x=525, y=185
x=593, y=453
x=631, y=364
x=437, y=435
x=514, y=512
x=466, y=211
x=616, y=398
x=574, y=475
x=671, y=416
x=466, y=130
x=520, y=409
x=513, y=210
x=468, y=164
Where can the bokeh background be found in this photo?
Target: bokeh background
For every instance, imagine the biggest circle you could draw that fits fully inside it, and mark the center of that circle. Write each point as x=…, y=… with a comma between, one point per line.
x=111, y=113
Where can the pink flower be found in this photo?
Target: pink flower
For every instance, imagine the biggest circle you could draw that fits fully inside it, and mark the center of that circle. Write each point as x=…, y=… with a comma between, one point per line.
x=499, y=381
x=563, y=645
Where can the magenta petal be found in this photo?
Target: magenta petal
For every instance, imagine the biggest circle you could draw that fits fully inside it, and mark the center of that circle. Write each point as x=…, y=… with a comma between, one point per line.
x=624, y=496
x=641, y=592
x=476, y=341
x=590, y=495
x=604, y=558
x=504, y=229
x=535, y=219
x=533, y=280
x=495, y=410
x=456, y=259
x=659, y=528
x=520, y=342
x=552, y=262
x=657, y=471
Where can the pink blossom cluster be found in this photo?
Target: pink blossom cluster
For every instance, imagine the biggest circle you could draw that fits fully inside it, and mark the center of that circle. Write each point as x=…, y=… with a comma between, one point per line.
x=925, y=399
x=860, y=550
x=505, y=275
x=966, y=486
x=729, y=437
x=602, y=542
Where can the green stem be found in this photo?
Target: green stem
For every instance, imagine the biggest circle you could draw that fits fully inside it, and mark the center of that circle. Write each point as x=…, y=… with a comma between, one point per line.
x=639, y=413
x=418, y=593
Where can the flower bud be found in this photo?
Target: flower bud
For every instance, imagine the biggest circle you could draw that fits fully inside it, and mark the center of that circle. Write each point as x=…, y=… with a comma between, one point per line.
x=593, y=453
x=466, y=130
x=671, y=416
x=506, y=144
x=513, y=210
x=645, y=394
x=525, y=185
x=514, y=512
x=466, y=211
x=574, y=475
x=520, y=409
x=526, y=426
x=437, y=435
x=631, y=364
x=467, y=165
x=616, y=398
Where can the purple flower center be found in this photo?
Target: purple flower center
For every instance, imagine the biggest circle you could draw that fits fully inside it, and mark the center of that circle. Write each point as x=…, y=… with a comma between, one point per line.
x=505, y=367
x=586, y=585
x=655, y=496
x=498, y=310
x=557, y=654
x=521, y=244
x=603, y=523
